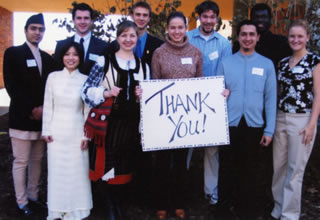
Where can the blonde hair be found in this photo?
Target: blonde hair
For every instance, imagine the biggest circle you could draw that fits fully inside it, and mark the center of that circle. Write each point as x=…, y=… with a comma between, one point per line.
x=300, y=23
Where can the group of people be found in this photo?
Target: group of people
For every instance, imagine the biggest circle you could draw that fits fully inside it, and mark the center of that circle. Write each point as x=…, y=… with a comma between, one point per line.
x=84, y=103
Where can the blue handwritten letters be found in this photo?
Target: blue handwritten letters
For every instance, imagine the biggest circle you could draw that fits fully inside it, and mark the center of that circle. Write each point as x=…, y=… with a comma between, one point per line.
x=183, y=113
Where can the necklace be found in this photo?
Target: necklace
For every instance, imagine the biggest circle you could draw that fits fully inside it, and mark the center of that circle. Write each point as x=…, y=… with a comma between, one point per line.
x=293, y=61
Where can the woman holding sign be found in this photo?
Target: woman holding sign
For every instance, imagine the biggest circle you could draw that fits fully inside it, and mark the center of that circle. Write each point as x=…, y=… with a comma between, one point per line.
x=176, y=58
x=113, y=123
x=298, y=111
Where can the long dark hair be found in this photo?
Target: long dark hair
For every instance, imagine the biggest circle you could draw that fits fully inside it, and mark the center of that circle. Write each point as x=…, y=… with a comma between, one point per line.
x=176, y=14
x=77, y=47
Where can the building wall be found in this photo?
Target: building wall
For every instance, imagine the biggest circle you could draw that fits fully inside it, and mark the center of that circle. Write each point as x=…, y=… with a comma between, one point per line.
x=187, y=7
x=6, y=36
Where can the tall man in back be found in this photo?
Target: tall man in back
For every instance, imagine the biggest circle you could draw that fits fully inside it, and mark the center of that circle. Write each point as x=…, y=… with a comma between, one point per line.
x=146, y=44
x=273, y=46
x=214, y=48
x=26, y=69
x=82, y=17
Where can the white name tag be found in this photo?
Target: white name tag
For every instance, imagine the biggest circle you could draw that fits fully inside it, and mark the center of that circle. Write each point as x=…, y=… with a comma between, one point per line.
x=214, y=55
x=257, y=71
x=93, y=57
x=187, y=60
x=297, y=69
x=31, y=63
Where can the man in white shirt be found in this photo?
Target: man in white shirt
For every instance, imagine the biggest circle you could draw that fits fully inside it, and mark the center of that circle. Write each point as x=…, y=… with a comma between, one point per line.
x=82, y=17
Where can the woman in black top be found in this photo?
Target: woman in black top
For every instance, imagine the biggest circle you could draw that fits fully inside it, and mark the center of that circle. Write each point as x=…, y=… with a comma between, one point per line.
x=298, y=111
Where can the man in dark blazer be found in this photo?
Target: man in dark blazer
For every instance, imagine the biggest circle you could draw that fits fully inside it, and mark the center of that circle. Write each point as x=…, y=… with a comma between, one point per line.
x=146, y=44
x=26, y=69
x=82, y=17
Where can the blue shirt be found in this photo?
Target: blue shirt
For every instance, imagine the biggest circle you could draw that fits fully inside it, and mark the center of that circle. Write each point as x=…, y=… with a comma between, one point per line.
x=253, y=90
x=143, y=40
x=213, y=50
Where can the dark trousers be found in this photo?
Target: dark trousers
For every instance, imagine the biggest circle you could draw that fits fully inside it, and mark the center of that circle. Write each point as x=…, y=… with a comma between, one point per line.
x=239, y=166
x=170, y=179
x=144, y=175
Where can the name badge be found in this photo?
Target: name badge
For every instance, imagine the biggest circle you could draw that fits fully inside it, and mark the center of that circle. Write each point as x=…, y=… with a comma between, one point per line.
x=187, y=60
x=257, y=71
x=297, y=69
x=93, y=57
x=214, y=55
x=31, y=63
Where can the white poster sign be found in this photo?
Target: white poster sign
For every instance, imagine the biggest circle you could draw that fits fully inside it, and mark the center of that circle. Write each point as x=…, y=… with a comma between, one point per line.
x=183, y=113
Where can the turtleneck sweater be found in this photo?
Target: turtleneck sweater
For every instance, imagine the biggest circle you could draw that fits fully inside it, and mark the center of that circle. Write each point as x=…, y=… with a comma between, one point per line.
x=176, y=60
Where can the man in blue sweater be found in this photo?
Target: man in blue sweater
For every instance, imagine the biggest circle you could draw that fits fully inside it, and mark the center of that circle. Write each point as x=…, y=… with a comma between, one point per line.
x=251, y=80
x=214, y=48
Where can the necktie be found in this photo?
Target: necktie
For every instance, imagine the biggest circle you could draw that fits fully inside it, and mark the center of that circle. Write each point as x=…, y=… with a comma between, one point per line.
x=138, y=49
x=82, y=46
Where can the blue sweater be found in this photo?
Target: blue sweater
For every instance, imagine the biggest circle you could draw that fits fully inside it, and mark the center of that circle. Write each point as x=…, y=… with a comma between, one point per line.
x=253, y=90
x=213, y=51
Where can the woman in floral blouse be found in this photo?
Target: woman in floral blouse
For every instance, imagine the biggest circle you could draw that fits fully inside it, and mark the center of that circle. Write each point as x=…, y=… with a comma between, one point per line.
x=298, y=110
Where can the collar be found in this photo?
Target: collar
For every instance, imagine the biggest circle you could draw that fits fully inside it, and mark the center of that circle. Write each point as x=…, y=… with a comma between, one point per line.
x=177, y=45
x=32, y=47
x=72, y=74
x=143, y=37
x=249, y=57
x=77, y=37
x=115, y=64
x=199, y=34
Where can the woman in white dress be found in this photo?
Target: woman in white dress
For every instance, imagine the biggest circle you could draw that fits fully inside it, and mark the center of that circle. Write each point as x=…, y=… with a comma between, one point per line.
x=69, y=190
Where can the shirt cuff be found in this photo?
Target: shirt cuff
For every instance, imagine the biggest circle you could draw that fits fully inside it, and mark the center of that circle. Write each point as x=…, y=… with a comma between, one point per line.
x=96, y=94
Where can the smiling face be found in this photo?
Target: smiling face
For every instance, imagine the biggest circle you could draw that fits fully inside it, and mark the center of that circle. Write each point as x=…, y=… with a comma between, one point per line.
x=298, y=38
x=177, y=30
x=128, y=39
x=71, y=59
x=34, y=33
x=208, y=20
x=82, y=22
x=141, y=17
x=248, y=38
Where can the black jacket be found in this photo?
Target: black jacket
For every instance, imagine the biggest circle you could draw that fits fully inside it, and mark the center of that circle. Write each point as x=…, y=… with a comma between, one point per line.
x=96, y=47
x=25, y=85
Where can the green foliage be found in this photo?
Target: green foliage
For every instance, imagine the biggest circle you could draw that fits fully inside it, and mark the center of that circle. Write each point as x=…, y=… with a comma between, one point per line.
x=313, y=17
x=157, y=26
